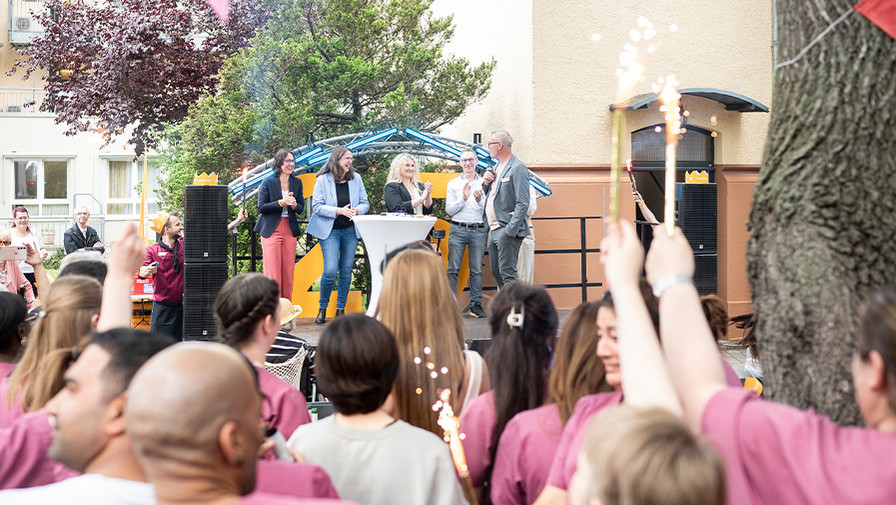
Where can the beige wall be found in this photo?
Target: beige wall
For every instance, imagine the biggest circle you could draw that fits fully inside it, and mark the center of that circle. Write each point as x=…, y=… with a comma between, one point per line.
x=499, y=29
x=552, y=91
x=553, y=86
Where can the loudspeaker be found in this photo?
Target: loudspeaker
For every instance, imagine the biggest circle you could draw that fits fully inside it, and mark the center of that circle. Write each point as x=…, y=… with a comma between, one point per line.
x=697, y=215
x=202, y=282
x=706, y=273
x=205, y=214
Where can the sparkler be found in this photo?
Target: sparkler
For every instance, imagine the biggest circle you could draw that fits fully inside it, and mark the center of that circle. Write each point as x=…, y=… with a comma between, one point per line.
x=629, y=72
x=631, y=179
x=670, y=99
x=245, y=175
x=451, y=426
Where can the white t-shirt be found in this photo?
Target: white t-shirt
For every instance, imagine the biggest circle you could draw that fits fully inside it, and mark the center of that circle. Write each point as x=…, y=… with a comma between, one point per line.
x=89, y=489
x=396, y=465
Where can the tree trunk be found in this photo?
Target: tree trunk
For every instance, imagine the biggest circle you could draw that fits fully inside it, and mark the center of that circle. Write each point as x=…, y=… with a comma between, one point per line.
x=823, y=219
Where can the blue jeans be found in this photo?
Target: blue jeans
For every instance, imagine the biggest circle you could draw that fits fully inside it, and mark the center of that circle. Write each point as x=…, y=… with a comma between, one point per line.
x=339, y=257
x=460, y=238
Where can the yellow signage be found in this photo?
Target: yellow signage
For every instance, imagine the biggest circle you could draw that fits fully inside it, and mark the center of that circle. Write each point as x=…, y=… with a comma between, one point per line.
x=205, y=179
x=694, y=177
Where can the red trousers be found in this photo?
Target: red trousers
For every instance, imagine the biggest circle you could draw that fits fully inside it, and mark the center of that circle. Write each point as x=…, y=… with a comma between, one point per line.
x=279, y=257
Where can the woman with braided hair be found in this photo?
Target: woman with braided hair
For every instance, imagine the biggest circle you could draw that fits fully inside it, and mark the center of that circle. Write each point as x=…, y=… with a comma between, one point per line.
x=524, y=324
x=247, y=315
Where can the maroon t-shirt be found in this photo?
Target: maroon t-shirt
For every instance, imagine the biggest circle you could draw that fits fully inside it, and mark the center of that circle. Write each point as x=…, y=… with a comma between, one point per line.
x=167, y=285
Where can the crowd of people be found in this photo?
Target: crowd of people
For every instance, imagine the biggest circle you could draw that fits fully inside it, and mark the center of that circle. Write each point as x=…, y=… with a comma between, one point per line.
x=627, y=402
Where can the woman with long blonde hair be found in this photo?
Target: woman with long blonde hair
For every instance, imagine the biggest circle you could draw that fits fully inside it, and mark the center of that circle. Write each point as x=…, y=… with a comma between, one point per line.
x=70, y=311
x=417, y=306
x=404, y=192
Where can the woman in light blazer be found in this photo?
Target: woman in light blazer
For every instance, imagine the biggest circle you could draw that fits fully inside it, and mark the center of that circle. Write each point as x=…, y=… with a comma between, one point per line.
x=339, y=196
x=280, y=200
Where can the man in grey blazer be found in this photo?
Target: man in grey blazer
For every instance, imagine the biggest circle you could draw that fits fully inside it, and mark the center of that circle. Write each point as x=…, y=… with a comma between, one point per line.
x=507, y=187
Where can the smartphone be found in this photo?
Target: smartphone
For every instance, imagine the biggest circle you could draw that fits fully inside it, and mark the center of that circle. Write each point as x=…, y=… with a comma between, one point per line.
x=13, y=252
x=281, y=451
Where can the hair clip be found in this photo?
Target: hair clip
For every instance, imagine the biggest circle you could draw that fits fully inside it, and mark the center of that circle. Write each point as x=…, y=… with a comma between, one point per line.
x=515, y=319
x=42, y=314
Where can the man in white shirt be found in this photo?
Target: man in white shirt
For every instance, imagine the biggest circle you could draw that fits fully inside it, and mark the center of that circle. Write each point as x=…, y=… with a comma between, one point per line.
x=87, y=420
x=465, y=203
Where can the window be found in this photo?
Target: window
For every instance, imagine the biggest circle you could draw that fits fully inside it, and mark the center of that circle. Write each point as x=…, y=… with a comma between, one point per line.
x=42, y=182
x=125, y=178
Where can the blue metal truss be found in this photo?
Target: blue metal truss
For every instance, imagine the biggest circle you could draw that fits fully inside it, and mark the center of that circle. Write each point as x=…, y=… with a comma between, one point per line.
x=387, y=142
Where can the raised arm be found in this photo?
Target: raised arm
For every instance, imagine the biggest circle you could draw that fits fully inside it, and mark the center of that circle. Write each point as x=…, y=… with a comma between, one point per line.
x=41, y=279
x=644, y=376
x=648, y=216
x=691, y=355
x=116, y=309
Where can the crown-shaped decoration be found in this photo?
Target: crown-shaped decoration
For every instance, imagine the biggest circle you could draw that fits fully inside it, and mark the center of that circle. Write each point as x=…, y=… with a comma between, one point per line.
x=205, y=179
x=157, y=223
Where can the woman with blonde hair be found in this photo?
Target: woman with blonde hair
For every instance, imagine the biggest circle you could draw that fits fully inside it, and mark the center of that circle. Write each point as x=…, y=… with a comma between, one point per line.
x=417, y=306
x=70, y=311
x=404, y=192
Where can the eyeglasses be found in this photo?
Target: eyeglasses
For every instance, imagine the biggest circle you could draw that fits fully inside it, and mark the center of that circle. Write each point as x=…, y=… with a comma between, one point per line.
x=464, y=161
x=491, y=143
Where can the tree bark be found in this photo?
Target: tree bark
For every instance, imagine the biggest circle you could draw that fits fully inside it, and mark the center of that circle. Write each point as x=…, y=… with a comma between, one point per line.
x=823, y=218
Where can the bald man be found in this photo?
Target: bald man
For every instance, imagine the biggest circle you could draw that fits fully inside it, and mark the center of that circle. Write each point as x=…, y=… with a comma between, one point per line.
x=196, y=430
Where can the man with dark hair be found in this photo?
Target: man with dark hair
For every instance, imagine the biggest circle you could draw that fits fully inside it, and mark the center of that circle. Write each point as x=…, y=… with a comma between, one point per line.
x=90, y=268
x=165, y=262
x=371, y=457
x=87, y=421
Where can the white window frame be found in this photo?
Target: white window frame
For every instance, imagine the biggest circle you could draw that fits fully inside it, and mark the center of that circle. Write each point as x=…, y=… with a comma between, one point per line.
x=40, y=201
x=136, y=172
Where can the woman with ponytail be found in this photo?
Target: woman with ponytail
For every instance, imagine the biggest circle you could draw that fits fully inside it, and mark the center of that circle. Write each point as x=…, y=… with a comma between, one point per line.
x=524, y=323
x=70, y=312
x=247, y=315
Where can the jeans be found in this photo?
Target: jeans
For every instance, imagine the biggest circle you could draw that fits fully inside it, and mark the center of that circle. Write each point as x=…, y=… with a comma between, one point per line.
x=503, y=253
x=460, y=238
x=339, y=257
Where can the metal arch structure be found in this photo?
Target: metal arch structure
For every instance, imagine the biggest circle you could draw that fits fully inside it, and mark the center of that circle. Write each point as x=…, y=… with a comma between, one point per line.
x=313, y=155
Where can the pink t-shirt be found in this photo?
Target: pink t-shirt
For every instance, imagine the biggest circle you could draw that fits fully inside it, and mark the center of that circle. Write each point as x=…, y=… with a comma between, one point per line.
x=301, y=480
x=261, y=498
x=23, y=458
x=566, y=457
x=9, y=412
x=776, y=453
x=5, y=368
x=525, y=451
x=476, y=425
x=284, y=407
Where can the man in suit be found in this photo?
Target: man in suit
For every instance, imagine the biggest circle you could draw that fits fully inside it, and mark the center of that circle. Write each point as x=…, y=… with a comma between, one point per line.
x=81, y=236
x=507, y=187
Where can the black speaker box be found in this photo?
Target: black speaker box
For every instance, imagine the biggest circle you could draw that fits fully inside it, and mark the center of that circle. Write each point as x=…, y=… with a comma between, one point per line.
x=205, y=217
x=202, y=282
x=697, y=216
x=706, y=273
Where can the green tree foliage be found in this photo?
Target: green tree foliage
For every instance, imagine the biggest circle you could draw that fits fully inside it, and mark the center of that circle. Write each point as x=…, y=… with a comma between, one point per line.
x=325, y=68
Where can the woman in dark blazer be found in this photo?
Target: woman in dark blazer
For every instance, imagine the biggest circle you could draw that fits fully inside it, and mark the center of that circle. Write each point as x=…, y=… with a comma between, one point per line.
x=280, y=200
x=404, y=192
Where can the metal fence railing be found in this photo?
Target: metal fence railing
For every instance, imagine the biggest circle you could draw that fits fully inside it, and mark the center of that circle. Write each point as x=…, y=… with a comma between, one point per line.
x=14, y=100
x=582, y=250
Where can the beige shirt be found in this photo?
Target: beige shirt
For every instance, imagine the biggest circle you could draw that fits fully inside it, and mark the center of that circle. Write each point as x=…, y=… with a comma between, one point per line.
x=493, y=223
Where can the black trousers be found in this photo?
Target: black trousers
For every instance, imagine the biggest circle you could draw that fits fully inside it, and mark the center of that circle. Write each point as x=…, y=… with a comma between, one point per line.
x=168, y=318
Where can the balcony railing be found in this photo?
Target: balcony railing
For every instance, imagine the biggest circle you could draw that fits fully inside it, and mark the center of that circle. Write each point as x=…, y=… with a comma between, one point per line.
x=22, y=26
x=13, y=100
